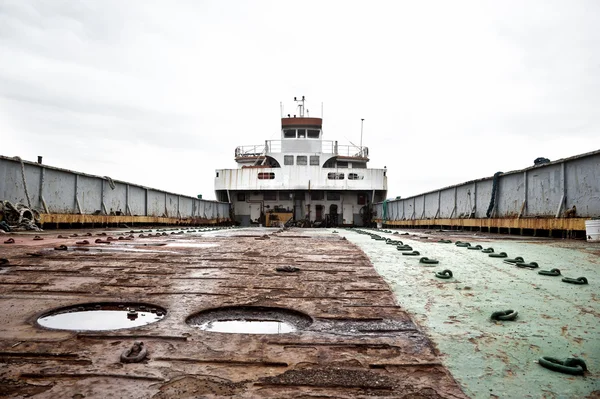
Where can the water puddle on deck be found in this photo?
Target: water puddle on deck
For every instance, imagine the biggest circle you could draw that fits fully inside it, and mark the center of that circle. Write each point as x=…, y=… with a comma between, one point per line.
x=101, y=317
x=248, y=326
x=250, y=320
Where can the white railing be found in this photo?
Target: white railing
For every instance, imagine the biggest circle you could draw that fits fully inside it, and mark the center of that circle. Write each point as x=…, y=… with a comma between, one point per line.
x=327, y=147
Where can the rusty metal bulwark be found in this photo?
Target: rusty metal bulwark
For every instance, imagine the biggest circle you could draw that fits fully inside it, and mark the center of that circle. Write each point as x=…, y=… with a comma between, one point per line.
x=532, y=223
x=564, y=189
x=64, y=192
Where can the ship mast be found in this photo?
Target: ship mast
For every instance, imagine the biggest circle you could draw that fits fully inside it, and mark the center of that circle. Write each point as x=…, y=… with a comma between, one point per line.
x=300, y=106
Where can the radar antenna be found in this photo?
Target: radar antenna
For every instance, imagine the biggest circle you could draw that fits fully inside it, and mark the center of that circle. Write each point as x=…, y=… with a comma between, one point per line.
x=300, y=106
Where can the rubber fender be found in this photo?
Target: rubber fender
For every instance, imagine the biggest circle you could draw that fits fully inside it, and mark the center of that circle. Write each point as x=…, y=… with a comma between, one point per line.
x=504, y=315
x=476, y=247
x=463, y=244
x=61, y=248
x=571, y=366
x=552, y=272
x=489, y=250
x=404, y=248
x=445, y=241
x=530, y=265
x=498, y=255
x=515, y=260
x=413, y=253
x=445, y=274
x=135, y=354
x=578, y=280
x=429, y=261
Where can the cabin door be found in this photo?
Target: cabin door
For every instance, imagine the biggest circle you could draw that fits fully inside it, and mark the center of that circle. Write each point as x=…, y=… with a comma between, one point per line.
x=299, y=209
x=319, y=215
x=255, y=213
x=347, y=214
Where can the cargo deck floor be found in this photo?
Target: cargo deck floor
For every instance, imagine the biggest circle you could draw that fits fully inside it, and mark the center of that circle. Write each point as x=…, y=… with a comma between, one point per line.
x=359, y=343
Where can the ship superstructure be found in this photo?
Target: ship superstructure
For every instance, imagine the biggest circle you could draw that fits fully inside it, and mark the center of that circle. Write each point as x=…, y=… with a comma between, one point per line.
x=301, y=177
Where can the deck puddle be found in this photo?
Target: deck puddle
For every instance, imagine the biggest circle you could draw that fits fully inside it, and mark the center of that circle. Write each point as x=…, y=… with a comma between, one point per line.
x=248, y=326
x=250, y=320
x=102, y=317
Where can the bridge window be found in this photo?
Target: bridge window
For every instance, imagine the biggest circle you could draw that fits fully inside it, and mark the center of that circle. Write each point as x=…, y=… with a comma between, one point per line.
x=301, y=133
x=301, y=160
x=314, y=160
x=289, y=134
x=270, y=195
x=317, y=195
x=342, y=164
x=335, y=176
x=333, y=196
x=355, y=176
x=288, y=159
x=266, y=176
x=312, y=134
x=241, y=197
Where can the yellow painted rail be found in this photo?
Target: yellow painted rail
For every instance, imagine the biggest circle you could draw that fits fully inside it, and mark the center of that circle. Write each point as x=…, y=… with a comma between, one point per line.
x=508, y=223
x=57, y=218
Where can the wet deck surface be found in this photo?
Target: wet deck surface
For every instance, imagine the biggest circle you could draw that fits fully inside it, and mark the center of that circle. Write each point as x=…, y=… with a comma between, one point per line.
x=499, y=359
x=359, y=343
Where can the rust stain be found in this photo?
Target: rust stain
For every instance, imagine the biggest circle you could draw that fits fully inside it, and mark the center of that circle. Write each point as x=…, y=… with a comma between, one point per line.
x=359, y=343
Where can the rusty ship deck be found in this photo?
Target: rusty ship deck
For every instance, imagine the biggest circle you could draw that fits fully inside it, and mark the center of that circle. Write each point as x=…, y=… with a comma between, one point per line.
x=359, y=343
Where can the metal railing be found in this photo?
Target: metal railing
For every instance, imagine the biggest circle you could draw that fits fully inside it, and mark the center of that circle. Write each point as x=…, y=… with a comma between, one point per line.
x=327, y=147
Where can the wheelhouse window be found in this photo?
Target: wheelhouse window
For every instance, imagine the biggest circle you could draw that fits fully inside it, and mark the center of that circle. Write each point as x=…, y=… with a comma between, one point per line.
x=266, y=176
x=289, y=134
x=285, y=195
x=342, y=164
x=301, y=160
x=288, y=159
x=241, y=197
x=312, y=134
x=335, y=176
x=301, y=133
x=270, y=195
x=355, y=176
x=317, y=195
x=333, y=196
x=314, y=160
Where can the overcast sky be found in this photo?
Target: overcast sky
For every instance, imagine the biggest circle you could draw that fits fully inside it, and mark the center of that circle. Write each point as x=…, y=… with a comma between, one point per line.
x=160, y=93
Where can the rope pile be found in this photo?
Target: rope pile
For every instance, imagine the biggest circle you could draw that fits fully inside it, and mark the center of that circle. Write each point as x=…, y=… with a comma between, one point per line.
x=18, y=217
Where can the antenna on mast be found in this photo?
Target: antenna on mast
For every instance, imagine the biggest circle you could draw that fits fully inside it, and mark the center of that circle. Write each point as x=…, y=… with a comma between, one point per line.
x=362, y=120
x=300, y=106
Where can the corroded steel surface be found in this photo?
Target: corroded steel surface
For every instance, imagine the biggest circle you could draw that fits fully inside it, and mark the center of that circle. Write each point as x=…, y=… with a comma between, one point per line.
x=509, y=223
x=103, y=220
x=360, y=344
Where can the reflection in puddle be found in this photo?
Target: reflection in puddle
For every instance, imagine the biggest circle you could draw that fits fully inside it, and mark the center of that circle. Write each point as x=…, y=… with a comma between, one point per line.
x=248, y=326
x=99, y=320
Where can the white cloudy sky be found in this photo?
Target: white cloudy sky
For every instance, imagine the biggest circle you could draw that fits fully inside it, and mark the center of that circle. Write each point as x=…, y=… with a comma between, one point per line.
x=161, y=92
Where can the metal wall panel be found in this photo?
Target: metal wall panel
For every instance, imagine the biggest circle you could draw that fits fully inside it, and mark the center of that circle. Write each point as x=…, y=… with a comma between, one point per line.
x=67, y=192
x=539, y=191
